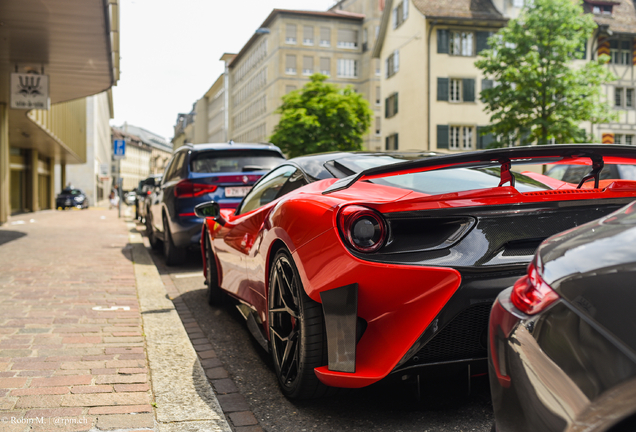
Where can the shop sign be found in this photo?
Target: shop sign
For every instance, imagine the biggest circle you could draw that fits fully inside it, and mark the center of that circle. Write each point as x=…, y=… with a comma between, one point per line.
x=29, y=91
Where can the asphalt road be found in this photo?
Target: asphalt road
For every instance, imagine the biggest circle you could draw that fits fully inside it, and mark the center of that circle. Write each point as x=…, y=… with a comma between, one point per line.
x=386, y=406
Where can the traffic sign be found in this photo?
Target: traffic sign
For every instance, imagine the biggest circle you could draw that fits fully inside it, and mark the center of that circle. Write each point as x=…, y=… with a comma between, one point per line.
x=119, y=149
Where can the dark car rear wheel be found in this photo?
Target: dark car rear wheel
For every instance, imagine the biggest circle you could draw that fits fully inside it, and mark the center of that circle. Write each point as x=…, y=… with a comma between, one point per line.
x=215, y=294
x=172, y=254
x=296, y=331
x=155, y=243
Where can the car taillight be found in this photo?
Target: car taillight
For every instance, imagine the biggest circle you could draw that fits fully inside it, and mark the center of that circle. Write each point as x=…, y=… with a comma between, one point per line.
x=531, y=294
x=363, y=229
x=188, y=189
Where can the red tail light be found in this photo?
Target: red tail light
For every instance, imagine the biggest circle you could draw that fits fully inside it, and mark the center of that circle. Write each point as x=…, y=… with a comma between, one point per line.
x=363, y=229
x=148, y=192
x=187, y=189
x=531, y=294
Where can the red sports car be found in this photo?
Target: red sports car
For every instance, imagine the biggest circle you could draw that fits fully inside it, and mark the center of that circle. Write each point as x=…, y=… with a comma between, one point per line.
x=350, y=267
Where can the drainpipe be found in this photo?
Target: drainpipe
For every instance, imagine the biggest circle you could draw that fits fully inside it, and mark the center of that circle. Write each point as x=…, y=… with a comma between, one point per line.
x=226, y=96
x=428, y=85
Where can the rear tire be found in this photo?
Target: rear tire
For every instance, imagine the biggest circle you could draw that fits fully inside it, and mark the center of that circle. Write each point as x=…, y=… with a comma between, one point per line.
x=215, y=294
x=296, y=331
x=155, y=243
x=173, y=255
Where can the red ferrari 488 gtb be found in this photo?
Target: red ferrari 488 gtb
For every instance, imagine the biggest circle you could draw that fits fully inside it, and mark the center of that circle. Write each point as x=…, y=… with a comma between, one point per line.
x=350, y=267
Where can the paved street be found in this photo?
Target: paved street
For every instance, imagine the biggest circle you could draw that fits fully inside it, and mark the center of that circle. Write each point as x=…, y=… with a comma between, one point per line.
x=243, y=363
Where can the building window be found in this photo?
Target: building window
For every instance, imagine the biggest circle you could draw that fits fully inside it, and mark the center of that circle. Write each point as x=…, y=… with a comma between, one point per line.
x=378, y=97
x=290, y=36
x=325, y=66
x=347, y=68
x=365, y=39
x=391, y=105
x=454, y=137
x=461, y=43
x=378, y=119
x=378, y=70
x=629, y=139
x=308, y=35
x=455, y=90
x=621, y=51
x=391, y=142
x=347, y=38
x=467, y=138
x=392, y=63
x=308, y=65
x=400, y=13
x=618, y=97
x=290, y=64
x=618, y=139
x=602, y=9
x=325, y=36
x=629, y=98
x=623, y=139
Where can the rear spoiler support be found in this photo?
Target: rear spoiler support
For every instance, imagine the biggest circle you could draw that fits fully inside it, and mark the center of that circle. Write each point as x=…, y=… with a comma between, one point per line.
x=597, y=166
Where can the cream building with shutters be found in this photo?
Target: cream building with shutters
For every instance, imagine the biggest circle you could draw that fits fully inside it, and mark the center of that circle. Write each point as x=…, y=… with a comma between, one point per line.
x=430, y=85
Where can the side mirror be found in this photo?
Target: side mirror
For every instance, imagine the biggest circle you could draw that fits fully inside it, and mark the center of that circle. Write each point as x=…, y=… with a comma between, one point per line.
x=209, y=209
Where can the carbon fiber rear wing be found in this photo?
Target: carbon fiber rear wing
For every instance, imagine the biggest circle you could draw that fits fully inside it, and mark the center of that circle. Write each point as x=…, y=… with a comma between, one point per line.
x=598, y=154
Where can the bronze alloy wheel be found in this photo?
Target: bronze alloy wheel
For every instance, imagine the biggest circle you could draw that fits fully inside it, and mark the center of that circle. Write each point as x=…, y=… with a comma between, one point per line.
x=296, y=331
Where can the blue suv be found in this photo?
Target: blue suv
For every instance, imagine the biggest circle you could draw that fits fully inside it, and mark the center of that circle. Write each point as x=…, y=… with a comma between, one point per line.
x=198, y=173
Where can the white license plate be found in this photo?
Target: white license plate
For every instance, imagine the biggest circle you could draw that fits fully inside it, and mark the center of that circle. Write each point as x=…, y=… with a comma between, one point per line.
x=240, y=191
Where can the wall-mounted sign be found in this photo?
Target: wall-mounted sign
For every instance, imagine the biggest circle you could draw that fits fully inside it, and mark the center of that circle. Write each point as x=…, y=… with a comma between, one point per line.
x=29, y=91
x=119, y=149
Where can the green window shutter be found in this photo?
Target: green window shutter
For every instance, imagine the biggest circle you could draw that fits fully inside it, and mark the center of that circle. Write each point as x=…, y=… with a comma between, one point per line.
x=482, y=41
x=395, y=103
x=486, y=84
x=442, y=136
x=442, y=89
x=386, y=143
x=442, y=41
x=396, y=142
x=469, y=89
x=483, y=141
x=386, y=108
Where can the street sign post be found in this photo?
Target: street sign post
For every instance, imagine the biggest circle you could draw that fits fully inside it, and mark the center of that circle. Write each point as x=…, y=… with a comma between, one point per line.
x=119, y=149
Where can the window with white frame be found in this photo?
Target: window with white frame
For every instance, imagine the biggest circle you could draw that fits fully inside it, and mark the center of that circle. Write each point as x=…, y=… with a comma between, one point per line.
x=400, y=13
x=308, y=65
x=378, y=119
x=325, y=36
x=308, y=35
x=623, y=97
x=462, y=43
x=624, y=139
x=290, y=64
x=621, y=51
x=392, y=63
x=455, y=137
x=618, y=97
x=467, y=137
x=629, y=98
x=378, y=95
x=290, y=34
x=378, y=70
x=347, y=38
x=347, y=68
x=325, y=66
x=455, y=90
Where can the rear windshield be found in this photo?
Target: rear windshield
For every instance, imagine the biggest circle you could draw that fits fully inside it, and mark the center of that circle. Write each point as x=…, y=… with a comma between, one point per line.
x=443, y=180
x=234, y=161
x=72, y=191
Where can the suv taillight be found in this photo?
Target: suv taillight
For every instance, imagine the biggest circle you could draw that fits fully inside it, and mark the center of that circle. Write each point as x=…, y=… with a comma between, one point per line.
x=363, y=229
x=188, y=189
x=531, y=294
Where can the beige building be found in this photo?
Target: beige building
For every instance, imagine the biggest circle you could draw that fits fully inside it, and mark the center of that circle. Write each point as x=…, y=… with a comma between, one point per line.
x=34, y=141
x=430, y=85
x=288, y=48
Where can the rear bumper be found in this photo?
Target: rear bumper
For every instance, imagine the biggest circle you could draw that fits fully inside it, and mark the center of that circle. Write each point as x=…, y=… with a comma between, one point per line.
x=415, y=316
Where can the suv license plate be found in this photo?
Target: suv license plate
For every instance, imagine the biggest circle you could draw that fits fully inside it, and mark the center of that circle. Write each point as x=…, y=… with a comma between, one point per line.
x=241, y=191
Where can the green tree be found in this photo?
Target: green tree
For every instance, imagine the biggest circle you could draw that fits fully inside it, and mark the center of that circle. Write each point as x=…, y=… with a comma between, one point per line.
x=321, y=117
x=539, y=93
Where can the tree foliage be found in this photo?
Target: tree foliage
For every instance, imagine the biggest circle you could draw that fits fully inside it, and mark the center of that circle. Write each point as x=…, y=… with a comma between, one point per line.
x=539, y=92
x=321, y=117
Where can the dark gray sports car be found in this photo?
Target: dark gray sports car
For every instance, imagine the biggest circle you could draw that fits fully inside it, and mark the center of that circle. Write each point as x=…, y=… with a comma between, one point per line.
x=562, y=351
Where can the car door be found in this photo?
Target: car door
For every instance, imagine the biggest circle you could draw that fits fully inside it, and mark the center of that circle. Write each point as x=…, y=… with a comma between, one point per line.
x=235, y=242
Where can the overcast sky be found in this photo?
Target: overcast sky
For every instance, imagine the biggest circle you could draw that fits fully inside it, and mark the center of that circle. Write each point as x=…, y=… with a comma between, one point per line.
x=170, y=52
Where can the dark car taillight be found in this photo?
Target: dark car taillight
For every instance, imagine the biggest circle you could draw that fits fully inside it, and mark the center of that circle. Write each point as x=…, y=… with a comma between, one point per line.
x=188, y=189
x=363, y=229
x=531, y=294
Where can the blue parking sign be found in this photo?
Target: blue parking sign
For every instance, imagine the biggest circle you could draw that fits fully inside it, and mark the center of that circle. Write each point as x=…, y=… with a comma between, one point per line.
x=119, y=149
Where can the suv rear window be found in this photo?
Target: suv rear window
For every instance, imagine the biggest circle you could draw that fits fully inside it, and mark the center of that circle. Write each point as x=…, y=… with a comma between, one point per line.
x=234, y=161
